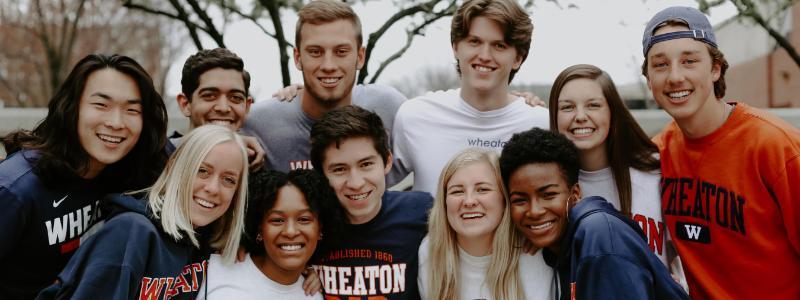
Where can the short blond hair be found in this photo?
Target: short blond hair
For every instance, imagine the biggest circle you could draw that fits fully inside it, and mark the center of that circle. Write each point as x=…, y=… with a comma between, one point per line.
x=326, y=11
x=171, y=195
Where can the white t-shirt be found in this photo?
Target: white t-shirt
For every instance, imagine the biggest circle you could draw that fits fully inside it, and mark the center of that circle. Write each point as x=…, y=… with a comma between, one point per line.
x=431, y=129
x=645, y=203
x=535, y=275
x=243, y=280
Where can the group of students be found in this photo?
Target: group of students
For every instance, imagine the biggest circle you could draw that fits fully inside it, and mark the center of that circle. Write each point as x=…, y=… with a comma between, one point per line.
x=99, y=203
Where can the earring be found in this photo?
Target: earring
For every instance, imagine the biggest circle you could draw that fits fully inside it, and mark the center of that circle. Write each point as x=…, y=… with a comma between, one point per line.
x=259, y=238
x=320, y=235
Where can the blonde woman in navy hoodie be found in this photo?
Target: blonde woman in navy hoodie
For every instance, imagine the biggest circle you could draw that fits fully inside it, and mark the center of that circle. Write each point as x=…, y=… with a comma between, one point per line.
x=158, y=249
x=597, y=252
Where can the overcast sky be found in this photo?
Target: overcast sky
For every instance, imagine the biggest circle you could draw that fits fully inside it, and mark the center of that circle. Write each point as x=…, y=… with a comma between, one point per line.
x=604, y=33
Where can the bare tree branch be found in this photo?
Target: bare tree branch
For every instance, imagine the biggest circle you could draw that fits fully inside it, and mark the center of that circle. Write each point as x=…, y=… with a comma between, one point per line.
x=210, y=28
x=409, y=39
x=375, y=36
x=747, y=8
x=275, y=15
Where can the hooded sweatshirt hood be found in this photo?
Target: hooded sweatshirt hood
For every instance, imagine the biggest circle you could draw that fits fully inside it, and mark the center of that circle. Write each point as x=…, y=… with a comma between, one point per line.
x=604, y=255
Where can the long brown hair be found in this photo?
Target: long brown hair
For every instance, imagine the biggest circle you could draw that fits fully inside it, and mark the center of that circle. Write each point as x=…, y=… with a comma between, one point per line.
x=627, y=146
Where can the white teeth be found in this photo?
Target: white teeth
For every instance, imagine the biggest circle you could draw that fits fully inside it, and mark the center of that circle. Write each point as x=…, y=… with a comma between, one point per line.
x=221, y=122
x=541, y=226
x=471, y=215
x=483, y=69
x=110, y=139
x=294, y=247
x=329, y=80
x=679, y=94
x=583, y=130
x=358, y=197
x=205, y=203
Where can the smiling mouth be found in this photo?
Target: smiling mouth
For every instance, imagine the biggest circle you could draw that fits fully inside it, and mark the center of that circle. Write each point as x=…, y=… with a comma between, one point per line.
x=204, y=203
x=221, y=122
x=582, y=131
x=679, y=96
x=110, y=138
x=542, y=226
x=329, y=81
x=481, y=68
x=291, y=247
x=358, y=197
x=472, y=216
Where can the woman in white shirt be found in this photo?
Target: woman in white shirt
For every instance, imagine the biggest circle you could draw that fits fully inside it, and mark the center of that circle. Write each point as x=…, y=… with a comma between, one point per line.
x=472, y=251
x=283, y=225
x=619, y=162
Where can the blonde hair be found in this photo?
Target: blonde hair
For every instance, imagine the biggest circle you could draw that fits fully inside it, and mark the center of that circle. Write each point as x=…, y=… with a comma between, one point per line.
x=502, y=275
x=170, y=197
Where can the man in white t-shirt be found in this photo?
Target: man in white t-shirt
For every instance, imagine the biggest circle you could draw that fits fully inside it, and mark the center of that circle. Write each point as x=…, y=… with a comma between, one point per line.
x=490, y=40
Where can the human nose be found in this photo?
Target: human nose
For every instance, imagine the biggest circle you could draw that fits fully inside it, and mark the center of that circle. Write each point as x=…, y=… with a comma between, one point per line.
x=211, y=186
x=675, y=74
x=470, y=199
x=113, y=119
x=222, y=104
x=291, y=229
x=534, y=209
x=328, y=62
x=354, y=180
x=485, y=52
x=580, y=114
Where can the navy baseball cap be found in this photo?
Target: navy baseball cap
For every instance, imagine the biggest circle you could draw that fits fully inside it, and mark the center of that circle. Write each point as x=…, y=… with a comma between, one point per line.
x=699, y=28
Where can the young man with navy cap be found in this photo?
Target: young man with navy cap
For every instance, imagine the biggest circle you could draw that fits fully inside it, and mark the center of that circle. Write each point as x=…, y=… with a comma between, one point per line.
x=730, y=172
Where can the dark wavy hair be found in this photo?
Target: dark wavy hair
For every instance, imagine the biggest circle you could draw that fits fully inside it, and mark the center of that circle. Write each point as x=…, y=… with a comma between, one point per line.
x=626, y=145
x=205, y=60
x=539, y=146
x=343, y=123
x=262, y=193
x=63, y=159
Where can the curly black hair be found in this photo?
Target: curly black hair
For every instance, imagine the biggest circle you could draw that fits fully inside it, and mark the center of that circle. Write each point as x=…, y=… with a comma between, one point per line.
x=263, y=186
x=540, y=146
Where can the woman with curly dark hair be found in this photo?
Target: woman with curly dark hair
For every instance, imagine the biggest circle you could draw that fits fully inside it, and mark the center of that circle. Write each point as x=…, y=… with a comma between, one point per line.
x=104, y=133
x=595, y=251
x=283, y=225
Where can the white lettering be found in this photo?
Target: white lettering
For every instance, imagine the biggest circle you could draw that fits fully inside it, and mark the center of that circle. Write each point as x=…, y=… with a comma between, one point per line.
x=56, y=230
x=344, y=283
x=329, y=279
x=75, y=224
x=359, y=286
x=372, y=273
x=399, y=282
x=693, y=232
x=386, y=279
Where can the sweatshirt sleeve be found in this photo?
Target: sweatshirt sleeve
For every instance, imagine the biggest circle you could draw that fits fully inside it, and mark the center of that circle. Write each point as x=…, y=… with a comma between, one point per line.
x=108, y=265
x=787, y=193
x=13, y=219
x=612, y=277
x=401, y=165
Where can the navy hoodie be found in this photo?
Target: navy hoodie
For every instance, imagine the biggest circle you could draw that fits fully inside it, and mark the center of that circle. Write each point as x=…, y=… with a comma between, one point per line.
x=41, y=226
x=604, y=255
x=132, y=257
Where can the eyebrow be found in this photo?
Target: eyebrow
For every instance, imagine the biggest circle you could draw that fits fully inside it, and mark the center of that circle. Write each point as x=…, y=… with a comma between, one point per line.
x=543, y=188
x=277, y=211
x=107, y=97
x=215, y=89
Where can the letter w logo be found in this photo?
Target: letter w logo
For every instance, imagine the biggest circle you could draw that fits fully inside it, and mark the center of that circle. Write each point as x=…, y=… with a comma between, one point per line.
x=693, y=232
